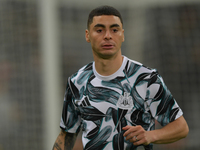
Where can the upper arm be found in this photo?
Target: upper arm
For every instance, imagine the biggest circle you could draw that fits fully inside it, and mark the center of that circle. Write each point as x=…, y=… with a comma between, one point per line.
x=65, y=141
x=70, y=119
x=162, y=104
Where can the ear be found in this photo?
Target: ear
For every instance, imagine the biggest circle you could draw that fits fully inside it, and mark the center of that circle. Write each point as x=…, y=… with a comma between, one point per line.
x=123, y=36
x=87, y=36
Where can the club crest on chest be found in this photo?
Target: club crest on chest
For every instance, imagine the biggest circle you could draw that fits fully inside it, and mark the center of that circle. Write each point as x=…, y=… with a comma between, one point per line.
x=125, y=101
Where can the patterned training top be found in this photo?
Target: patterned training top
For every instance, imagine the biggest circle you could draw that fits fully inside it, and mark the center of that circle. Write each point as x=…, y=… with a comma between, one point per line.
x=102, y=105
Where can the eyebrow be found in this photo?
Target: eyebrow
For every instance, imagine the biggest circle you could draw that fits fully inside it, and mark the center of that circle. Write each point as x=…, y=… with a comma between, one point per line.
x=103, y=26
x=99, y=25
x=114, y=25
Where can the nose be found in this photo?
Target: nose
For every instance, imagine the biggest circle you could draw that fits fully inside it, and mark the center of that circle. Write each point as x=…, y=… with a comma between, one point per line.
x=108, y=35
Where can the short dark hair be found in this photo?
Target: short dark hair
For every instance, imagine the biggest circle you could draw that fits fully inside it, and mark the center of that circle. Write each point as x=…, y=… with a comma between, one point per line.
x=103, y=10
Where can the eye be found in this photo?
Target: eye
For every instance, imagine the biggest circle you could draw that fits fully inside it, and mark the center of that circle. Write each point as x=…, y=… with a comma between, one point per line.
x=115, y=30
x=99, y=31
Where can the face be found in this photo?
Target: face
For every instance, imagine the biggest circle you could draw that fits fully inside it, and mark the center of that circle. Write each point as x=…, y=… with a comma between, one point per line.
x=106, y=36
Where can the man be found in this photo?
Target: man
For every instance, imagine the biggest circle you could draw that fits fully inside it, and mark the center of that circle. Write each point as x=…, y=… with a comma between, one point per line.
x=115, y=100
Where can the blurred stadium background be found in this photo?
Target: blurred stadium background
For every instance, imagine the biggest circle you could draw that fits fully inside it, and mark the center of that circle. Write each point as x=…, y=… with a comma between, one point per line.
x=42, y=42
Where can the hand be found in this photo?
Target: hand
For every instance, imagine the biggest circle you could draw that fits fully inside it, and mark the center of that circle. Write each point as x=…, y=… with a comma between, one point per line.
x=137, y=135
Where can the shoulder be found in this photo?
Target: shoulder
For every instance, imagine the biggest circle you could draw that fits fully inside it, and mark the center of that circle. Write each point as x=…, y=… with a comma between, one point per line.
x=82, y=71
x=79, y=79
x=140, y=68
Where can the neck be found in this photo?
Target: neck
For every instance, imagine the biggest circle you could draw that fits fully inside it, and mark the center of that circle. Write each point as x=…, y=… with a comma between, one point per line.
x=107, y=67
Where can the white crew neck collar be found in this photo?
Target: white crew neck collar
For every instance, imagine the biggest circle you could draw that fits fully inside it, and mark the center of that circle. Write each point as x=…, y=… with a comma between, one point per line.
x=119, y=72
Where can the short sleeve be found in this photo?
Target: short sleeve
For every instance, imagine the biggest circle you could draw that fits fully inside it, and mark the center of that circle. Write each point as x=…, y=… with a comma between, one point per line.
x=70, y=119
x=163, y=106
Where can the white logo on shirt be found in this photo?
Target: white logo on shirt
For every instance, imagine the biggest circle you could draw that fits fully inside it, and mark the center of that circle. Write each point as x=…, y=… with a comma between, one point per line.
x=125, y=102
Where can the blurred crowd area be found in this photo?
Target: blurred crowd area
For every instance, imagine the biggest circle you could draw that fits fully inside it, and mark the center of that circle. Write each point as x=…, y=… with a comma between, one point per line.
x=170, y=43
x=176, y=42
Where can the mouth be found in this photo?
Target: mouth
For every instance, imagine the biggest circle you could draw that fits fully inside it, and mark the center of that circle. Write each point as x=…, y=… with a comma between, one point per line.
x=107, y=46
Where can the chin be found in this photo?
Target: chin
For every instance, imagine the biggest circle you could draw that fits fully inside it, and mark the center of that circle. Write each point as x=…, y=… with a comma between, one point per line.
x=107, y=56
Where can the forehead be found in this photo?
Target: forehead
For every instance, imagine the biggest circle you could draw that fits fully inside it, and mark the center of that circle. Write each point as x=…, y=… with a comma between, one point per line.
x=106, y=20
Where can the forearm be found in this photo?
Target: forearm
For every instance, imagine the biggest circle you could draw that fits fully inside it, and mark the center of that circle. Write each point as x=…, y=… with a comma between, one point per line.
x=172, y=132
x=65, y=141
